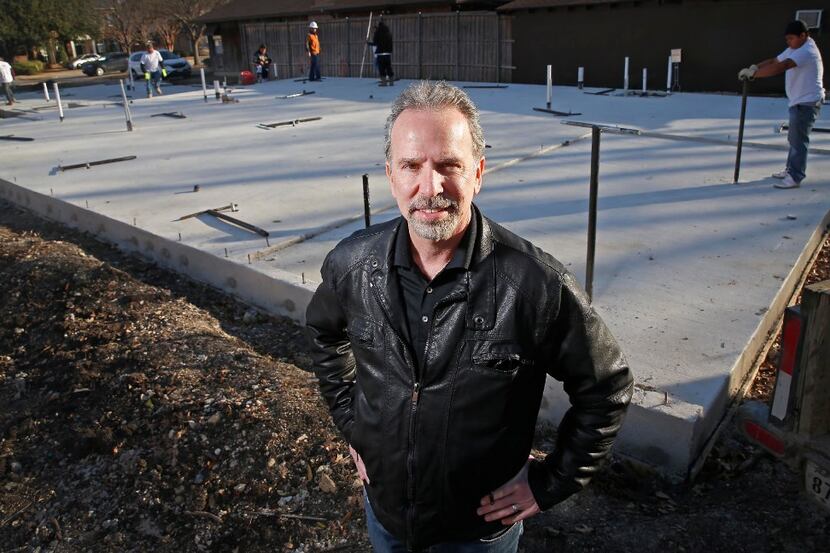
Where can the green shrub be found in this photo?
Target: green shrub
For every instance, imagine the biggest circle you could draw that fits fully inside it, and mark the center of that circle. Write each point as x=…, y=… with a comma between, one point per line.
x=27, y=67
x=61, y=55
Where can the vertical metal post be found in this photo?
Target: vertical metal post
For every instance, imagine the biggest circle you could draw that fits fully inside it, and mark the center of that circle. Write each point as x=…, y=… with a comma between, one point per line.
x=498, y=48
x=741, y=133
x=127, y=113
x=592, y=213
x=290, y=72
x=348, y=47
x=625, y=78
x=420, y=45
x=580, y=77
x=549, y=87
x=457, y=45
x=58, y=100
x=46, y=92
x=204, y=84
x=216, y=89
x=367, y=216
x=645, y=80
x=130, y=82
x=668, y=78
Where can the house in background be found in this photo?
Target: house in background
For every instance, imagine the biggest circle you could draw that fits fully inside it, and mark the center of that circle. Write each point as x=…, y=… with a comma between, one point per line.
x=436, y=39
x=716, y=38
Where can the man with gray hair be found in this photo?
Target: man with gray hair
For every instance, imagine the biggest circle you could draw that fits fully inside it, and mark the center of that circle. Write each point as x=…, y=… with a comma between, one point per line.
x=432, y=336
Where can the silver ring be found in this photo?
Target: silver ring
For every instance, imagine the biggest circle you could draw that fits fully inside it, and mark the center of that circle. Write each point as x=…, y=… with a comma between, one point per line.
x=515, y=508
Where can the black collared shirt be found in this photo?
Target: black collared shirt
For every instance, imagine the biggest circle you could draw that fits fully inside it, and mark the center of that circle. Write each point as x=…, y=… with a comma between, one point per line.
x=420, y=296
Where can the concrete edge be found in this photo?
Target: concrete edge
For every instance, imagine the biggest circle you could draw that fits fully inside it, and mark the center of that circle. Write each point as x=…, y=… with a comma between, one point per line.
x=278, y=293
x=744, y=369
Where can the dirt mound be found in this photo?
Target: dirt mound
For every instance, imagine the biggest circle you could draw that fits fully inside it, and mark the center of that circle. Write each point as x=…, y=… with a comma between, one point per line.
x=133, y=421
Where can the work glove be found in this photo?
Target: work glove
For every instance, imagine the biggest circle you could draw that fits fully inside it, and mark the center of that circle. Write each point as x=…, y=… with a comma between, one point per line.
x=747, y=73
x=164, y=72
x=146, y=76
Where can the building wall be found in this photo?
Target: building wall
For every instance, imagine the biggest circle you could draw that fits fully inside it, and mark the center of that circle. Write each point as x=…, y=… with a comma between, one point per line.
x=449, y=45
x=717, y=38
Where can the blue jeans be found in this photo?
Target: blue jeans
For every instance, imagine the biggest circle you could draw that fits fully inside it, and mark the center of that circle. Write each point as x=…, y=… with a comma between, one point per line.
x=802, y=119
x=384, y=542
x=314, y=70
x=153, y=81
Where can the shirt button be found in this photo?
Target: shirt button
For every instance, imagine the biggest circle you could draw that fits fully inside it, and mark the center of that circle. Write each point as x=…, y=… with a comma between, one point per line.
x=425, y=319
x=429, y=290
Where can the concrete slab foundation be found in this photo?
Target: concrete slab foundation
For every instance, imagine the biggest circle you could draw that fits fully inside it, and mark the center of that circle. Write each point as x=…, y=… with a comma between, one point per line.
x=692, y=271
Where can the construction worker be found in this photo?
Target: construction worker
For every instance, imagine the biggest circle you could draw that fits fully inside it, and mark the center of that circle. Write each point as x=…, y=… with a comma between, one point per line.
x=262, y=63
x=382, y=43
x=804, y=77
x=312, y=45
x=152, y=65
x=7, y=78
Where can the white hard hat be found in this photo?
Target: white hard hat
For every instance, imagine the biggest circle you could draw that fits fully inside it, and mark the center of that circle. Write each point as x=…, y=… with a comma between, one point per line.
x=312, y=25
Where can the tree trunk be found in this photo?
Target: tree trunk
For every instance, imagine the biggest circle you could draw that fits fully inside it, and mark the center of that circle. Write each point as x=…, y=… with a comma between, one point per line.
x=197, y=59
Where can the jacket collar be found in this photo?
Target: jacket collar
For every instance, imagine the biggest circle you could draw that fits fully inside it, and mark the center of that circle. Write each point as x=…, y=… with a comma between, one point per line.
x=480, y=282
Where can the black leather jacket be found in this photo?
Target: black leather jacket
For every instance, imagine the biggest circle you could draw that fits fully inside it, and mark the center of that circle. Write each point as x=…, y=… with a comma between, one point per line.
x=436, y=441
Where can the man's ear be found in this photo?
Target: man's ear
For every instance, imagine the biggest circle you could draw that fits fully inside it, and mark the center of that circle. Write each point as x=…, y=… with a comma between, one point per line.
x=479, y=175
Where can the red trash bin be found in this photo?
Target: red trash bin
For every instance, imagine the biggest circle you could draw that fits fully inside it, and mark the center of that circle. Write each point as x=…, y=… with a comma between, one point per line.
x=246, y=77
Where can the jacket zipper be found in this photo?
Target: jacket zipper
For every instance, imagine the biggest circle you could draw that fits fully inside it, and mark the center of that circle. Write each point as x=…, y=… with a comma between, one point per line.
x=413, y=411
x=410, y=463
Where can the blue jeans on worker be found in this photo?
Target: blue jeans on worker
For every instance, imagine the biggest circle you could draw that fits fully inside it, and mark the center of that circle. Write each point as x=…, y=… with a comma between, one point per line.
x=384, y=542
x=802, y=119
x=153, y=81
x=314, y=70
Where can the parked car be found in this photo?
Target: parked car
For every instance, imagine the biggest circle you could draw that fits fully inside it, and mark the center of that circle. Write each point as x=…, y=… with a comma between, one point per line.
x=176, y=65
x=113, y=62
x=86, y=58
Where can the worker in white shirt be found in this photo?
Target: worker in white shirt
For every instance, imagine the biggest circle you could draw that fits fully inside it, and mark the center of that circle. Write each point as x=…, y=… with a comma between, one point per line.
x=152, y=65
x=7, y=77
x=804, y=73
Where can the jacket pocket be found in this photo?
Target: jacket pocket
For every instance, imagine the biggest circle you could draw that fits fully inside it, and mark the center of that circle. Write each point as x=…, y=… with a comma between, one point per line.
x=498, y=356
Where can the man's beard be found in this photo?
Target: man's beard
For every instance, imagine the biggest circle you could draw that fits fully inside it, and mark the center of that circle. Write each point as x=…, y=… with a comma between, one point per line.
x=441, y=229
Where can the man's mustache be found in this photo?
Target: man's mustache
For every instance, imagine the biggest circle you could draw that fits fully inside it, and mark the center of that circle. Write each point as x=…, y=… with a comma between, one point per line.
x=435, y=202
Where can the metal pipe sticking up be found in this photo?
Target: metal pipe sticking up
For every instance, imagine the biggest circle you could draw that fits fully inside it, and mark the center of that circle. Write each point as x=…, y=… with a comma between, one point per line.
x=58, y=100
x=645, y=80
x=216, y=90
x=204, y=83
x=549, y=88
x=580, y=77
x=46, y=92
x=668, y=77
x=127, y=115
x=625, y=78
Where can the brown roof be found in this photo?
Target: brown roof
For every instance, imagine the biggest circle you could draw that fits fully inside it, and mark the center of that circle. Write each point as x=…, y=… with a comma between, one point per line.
x=528, y=4
x=264, y=9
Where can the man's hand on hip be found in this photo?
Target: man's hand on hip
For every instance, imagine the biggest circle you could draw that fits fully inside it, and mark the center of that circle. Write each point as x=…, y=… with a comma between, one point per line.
x=510, y=503
x=358, y=462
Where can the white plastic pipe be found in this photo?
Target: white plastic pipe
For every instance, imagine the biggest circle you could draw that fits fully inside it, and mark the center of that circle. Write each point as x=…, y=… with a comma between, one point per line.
x=668, y=78
x=645, y=80
x=204, y=84
x=550, y=85
x=580, y=77
x=58, y=100
x=127, y=115
x=46, y=92
x=216, y=89
x=625, y=76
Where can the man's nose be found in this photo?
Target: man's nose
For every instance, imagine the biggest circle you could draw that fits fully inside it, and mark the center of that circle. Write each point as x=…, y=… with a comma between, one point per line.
x=432, y=183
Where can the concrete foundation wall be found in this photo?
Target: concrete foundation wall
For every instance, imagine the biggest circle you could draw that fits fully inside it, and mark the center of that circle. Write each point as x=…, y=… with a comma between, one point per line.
x=285, y=295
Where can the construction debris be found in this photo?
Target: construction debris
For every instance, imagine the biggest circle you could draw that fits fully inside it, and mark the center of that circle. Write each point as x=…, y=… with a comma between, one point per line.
x=295, y=95
x=173, y=114
x=292, y=123
x=219, y=214
x=557, y=113
x=89, y=164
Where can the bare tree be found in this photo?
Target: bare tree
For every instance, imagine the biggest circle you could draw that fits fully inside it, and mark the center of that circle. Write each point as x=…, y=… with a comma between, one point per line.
x=187, y=12
x=122, y=22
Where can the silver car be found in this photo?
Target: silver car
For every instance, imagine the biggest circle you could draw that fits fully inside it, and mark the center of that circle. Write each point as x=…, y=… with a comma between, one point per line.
x=176, y=65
